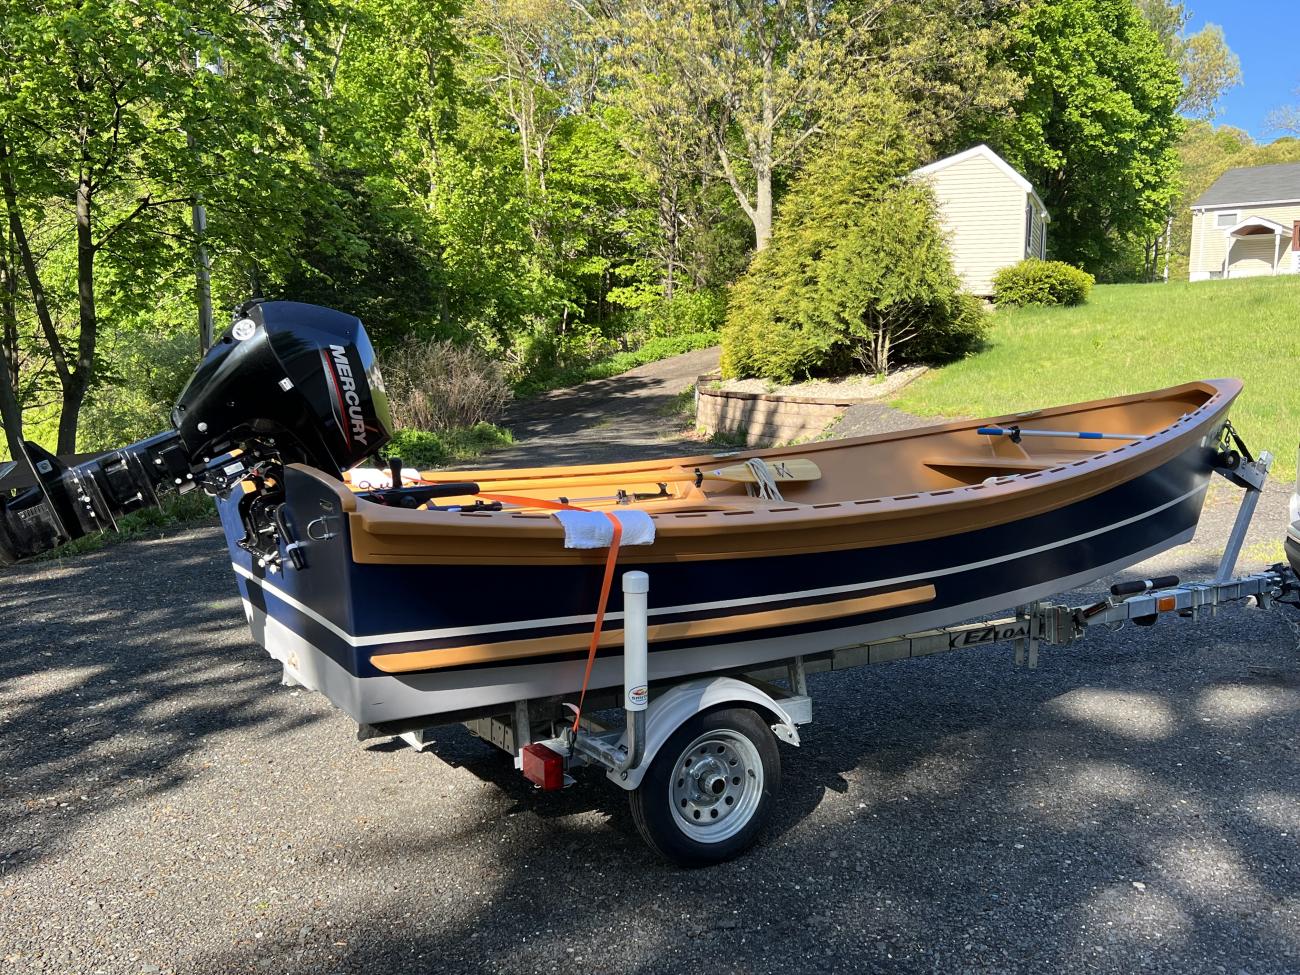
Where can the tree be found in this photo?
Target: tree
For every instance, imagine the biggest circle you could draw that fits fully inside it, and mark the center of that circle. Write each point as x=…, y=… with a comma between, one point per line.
x=1285, y=119
x=109, y=129
x=753, y=76
x=858, y=272
x=1207, y=65
x=542, y=62
x=758, y=81
x=1097, y=129
x=657, y=130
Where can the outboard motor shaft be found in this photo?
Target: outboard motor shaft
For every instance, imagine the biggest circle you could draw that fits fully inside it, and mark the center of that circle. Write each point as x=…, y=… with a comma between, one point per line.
x=286, y=383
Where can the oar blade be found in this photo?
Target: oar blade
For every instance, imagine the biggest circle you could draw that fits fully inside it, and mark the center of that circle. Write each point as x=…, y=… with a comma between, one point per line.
x=783, y=471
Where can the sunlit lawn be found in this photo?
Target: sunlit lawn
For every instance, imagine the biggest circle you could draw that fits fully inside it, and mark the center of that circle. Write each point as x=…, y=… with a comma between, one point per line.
x=1130, y=338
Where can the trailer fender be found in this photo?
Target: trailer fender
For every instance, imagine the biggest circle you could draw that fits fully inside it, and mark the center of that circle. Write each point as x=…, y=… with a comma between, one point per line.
x=667, y=713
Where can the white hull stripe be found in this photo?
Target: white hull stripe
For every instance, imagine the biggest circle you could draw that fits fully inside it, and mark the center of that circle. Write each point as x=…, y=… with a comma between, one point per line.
x=453, y=631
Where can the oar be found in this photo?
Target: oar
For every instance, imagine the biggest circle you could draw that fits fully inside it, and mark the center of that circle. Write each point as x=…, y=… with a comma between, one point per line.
x=794, y=469
x=1015, y=433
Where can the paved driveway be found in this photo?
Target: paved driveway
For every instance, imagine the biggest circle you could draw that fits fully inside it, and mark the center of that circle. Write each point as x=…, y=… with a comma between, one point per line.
x=627, y=417
x=166, y=806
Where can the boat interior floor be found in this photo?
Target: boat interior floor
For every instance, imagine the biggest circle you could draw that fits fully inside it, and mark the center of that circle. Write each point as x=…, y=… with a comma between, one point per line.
x=673, y=490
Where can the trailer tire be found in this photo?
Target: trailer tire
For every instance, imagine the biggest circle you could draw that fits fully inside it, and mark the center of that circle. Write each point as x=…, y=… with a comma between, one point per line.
x=709, y=791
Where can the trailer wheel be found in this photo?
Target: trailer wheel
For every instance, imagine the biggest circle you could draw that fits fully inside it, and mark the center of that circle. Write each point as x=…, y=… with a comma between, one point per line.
x=709, y=791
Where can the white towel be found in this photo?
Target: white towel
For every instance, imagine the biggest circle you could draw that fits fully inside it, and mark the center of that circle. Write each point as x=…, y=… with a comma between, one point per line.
x=373, y=479
x=591, y=529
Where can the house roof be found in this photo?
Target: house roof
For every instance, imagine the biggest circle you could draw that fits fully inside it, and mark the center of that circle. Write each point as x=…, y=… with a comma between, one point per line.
x=1279, y=183
x=996, y=160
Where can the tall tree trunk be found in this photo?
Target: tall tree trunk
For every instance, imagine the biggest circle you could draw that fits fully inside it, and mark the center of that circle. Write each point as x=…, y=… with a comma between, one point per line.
x=77, y=381
x=40, y=303
x=11, y=412
x=762, y=210
x=670, y=227
x=766, y=145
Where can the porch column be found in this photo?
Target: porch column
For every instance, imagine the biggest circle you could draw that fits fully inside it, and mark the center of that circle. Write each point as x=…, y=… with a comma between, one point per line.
x=1277, y=250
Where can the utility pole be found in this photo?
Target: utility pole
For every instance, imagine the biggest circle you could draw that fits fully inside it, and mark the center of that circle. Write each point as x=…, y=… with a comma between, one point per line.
x=202, y=275
x=199, y=224
x=1169, y=226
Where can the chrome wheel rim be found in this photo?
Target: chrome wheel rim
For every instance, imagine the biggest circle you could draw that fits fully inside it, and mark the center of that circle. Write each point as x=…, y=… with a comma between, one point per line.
x=716, y=786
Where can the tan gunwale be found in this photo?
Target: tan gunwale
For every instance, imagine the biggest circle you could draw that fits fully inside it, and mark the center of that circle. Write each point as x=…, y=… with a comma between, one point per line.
x=402, y=663
x=858, y=518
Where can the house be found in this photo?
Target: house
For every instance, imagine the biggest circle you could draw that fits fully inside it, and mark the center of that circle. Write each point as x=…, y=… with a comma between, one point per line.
x=1247, y=224
x=991, y=214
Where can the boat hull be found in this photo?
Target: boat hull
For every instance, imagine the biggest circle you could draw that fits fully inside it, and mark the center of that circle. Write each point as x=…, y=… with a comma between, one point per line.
x=456, y=638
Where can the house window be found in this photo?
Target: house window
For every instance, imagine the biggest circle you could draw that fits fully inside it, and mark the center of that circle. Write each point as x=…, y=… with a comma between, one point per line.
x=1225, y=220
x=1029, y=229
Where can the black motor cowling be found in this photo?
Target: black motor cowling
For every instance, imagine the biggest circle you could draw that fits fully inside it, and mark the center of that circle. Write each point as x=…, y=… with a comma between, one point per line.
x=286, y=383
x=301, y=376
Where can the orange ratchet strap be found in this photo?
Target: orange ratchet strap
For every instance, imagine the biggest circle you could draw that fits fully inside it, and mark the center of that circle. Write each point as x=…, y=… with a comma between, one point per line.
x=605, y=583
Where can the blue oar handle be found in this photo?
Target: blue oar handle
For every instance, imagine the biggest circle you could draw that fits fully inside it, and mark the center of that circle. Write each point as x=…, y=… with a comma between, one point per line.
x=1016, y=432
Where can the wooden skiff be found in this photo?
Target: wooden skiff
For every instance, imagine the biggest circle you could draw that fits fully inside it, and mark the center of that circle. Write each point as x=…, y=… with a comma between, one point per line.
x=402, y=614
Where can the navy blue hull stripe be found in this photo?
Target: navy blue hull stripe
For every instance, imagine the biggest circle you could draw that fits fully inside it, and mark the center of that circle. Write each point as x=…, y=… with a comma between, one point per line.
x=699, y=610
x=954, y=585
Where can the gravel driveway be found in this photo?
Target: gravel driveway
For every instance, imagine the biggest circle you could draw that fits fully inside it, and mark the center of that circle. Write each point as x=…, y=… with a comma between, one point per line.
x=1132, y=805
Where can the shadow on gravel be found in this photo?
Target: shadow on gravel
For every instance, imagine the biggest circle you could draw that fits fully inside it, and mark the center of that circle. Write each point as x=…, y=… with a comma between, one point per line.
x=1132, y=805
x=112, y=683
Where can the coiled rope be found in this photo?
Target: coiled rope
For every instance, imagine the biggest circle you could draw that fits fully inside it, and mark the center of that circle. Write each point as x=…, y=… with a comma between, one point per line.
x=764, y=485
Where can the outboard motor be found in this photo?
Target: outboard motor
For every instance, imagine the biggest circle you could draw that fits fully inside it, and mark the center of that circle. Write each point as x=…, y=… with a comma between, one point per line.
x=286, y=383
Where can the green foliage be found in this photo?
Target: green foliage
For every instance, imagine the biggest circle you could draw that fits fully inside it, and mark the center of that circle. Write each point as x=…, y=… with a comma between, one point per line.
x=364, y=254
x=1207, y=65
x=858, y=272
x=1097, y=129
x=1037, y=282
x=568, y=189
x=116, y=117
x=423, y=449
x=619, y=362
x=144, y=363
x=685, y=313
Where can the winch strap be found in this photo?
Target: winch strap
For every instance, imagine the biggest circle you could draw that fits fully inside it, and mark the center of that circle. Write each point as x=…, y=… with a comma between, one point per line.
x=606, y=582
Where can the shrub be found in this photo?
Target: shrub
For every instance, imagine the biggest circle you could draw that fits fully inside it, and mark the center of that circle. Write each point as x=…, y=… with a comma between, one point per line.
x=685, y=313
x=1038, y=282
x=423, y=448
x=143, y=373
x=857, y=275
x=436, y=385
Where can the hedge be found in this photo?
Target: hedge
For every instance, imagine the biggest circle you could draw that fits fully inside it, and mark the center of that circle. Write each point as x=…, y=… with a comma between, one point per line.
x=1038, y=282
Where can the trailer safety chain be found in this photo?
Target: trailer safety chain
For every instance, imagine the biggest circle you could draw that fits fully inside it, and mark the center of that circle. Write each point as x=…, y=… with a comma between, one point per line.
x=1286, y=618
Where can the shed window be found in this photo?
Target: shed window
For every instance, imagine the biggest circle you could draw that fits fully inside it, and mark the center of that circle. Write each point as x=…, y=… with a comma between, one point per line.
x=1224, y=220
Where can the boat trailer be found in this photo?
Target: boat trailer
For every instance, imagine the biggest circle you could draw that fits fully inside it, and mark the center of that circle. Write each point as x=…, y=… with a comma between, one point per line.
x=697, y=755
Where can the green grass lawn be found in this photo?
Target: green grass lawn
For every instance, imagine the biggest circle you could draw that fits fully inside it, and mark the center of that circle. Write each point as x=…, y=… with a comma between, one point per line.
x=1131, y=338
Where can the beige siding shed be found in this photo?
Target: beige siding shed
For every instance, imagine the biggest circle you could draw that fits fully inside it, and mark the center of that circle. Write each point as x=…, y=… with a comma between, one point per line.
x=990, y=213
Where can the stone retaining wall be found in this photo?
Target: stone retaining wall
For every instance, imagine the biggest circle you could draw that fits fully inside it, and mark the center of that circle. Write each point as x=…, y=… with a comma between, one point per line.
x=763, y=418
